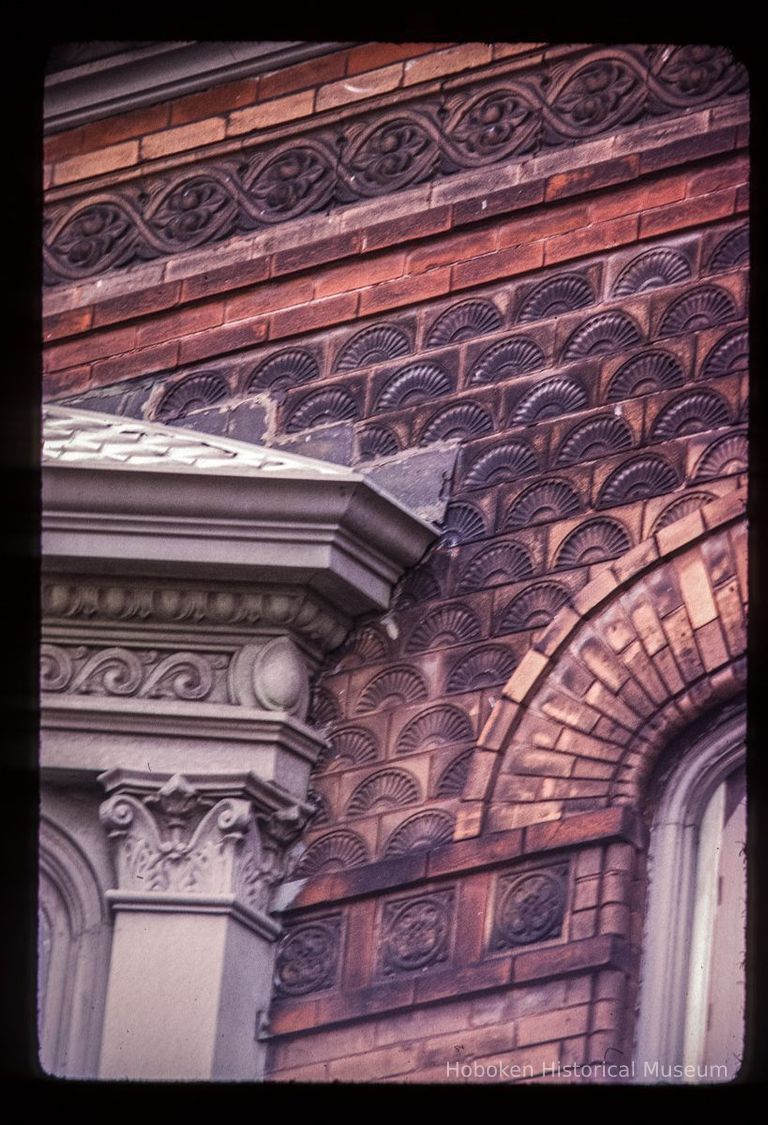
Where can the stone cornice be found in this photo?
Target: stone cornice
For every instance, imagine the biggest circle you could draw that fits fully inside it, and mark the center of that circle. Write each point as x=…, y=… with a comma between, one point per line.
x=341, y=537
x=172, y=734
x=138, y=77
x=84, y=609
x=227, y=722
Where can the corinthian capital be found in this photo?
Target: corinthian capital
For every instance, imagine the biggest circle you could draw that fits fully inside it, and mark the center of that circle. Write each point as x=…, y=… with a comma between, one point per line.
x=199, y=837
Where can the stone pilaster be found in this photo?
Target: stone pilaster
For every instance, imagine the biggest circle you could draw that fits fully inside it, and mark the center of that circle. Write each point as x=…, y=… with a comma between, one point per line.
x=196, y=860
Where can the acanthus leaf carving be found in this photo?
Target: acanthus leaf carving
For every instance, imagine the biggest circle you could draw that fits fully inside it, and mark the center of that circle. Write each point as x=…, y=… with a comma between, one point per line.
x=176, y=839
x=181, y=838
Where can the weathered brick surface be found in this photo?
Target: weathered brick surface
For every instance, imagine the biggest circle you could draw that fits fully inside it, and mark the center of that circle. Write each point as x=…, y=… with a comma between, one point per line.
x=215, y=101
x=225, y=279
x=360, y=86
x=138, y=123
x=182, y=137
x=372, y=56
x=587, y=240
x=95, y=346
x=405, y=291
x=68, y=323
x=269, y=113
x=93, y=164
x=362, y=275
x=593, y=176
x=450, y=61
x=266, y=298
x=688, y=213
x=501, y=263
x=159, y=357
x=312, y=73
x=214, y=341
x=186, y=322
x=151, y=299
x=581, y=605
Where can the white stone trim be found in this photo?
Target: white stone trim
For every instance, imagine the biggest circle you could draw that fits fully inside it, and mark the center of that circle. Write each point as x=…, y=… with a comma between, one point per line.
x=663, y=998
x=70, y=892
x=161, y=902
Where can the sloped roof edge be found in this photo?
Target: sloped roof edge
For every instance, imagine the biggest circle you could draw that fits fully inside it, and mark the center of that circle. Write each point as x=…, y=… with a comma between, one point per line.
x=147, y=498
x=88, y=438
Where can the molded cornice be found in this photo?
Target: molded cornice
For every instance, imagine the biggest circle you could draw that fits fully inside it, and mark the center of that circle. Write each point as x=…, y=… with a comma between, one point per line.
x=297, y=524
x=155, y=72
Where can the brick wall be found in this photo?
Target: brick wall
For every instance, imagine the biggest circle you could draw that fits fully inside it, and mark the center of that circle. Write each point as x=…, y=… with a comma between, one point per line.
x=554, y=338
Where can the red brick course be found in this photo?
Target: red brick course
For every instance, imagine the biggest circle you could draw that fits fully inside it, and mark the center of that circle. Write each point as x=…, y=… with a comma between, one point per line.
x=229, y=109
x=567, y=231
x=651, y=636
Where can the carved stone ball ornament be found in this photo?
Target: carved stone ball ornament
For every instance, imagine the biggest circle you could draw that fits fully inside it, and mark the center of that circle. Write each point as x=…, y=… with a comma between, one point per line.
x=271, y=675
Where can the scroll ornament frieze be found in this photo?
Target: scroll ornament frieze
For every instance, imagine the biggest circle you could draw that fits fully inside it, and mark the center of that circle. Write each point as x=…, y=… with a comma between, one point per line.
x=171, y=605
x=141, y=673
x=269, y=675
x=548, y=107
x=179, y=839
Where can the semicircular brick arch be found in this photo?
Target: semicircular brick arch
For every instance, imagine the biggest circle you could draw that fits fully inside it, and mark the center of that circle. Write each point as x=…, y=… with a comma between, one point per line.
x=656, y=639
